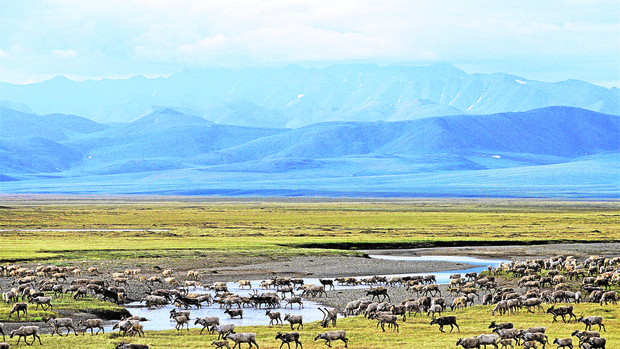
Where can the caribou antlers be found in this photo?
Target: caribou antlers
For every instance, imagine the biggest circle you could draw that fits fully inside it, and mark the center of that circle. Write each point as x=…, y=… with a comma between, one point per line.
x=329, y=315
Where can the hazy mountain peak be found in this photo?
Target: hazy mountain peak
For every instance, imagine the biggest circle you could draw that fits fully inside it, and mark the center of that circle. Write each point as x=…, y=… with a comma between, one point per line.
x=296, y=96
x=16, y=106
x=169, y=117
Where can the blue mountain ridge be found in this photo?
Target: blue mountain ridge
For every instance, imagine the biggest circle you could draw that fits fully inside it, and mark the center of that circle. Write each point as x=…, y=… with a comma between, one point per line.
x=560, y=132
x=549, y=152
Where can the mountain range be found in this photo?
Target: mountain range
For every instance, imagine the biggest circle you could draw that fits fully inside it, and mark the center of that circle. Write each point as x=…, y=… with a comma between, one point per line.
x=293, y=97
x=558, y=152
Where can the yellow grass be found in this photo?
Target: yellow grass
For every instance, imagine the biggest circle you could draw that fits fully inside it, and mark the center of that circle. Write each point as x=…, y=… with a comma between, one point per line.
x=282, y=227
x=416, y=333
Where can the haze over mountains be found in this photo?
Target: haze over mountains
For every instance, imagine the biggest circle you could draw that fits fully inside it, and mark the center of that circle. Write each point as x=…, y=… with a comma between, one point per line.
x=344, y=130
x=295, y=97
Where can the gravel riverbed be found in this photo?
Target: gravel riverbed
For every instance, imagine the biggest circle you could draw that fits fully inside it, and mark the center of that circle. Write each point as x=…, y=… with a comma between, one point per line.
x=254, y=268
x=332, y=267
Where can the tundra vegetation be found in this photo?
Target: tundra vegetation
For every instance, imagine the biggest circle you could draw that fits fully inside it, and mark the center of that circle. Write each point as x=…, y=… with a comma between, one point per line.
x=362, y=333
x=209, y=233
x=208, y=230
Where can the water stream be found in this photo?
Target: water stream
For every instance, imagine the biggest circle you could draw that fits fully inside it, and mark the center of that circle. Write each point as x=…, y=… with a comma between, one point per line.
x=159, y=318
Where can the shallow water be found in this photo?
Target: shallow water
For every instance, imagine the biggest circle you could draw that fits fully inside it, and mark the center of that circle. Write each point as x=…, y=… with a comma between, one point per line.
x=159, y=318
x=443, y=277
x=455, y=259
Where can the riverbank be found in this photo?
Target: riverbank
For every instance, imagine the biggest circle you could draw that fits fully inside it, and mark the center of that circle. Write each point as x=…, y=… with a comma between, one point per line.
x=512, y=252
x=332, y=267
x=313, y=267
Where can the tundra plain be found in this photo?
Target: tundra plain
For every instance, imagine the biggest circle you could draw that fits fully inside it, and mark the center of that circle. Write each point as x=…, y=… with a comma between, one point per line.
x=210, y=233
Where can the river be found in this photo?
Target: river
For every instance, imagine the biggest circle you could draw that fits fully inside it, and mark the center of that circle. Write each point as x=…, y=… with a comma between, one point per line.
x=159, y=318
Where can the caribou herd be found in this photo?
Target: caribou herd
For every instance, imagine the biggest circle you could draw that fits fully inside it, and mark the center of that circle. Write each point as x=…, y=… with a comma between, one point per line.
x=558, y=284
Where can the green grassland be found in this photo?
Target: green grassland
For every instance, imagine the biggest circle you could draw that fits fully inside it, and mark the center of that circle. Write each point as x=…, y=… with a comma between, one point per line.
x=59, y=305
x=415, y=333
x=276, y=228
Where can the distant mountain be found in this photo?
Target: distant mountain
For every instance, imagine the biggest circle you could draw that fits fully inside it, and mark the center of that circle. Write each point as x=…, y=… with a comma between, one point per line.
x=168, y=151
x=560, y=132
x=295, y=97
x=243, y=113
x=33, y=155
x=21, y=107
x=166, y=134
x=56, y=127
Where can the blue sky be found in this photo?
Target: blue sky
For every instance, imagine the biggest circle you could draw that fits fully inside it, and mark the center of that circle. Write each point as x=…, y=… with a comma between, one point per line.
x=542, y=40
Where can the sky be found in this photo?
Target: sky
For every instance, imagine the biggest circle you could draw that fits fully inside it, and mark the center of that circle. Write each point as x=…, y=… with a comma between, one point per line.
x=547, y=40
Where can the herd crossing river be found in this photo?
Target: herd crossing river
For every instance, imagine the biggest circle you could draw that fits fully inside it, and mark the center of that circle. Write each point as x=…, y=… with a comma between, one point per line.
x=159, y=318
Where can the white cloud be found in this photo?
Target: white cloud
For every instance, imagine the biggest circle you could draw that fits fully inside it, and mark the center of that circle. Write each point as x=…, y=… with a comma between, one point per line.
x=64, y=53
x=203, y=49
x=134, y=36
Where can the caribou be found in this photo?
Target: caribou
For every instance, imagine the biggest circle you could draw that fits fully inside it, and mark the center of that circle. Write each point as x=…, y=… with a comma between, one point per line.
x=330, y=336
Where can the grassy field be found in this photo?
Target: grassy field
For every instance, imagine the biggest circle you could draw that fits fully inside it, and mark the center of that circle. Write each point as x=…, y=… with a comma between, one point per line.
x=60, y=305
x=362, y=333
x=48, y=229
